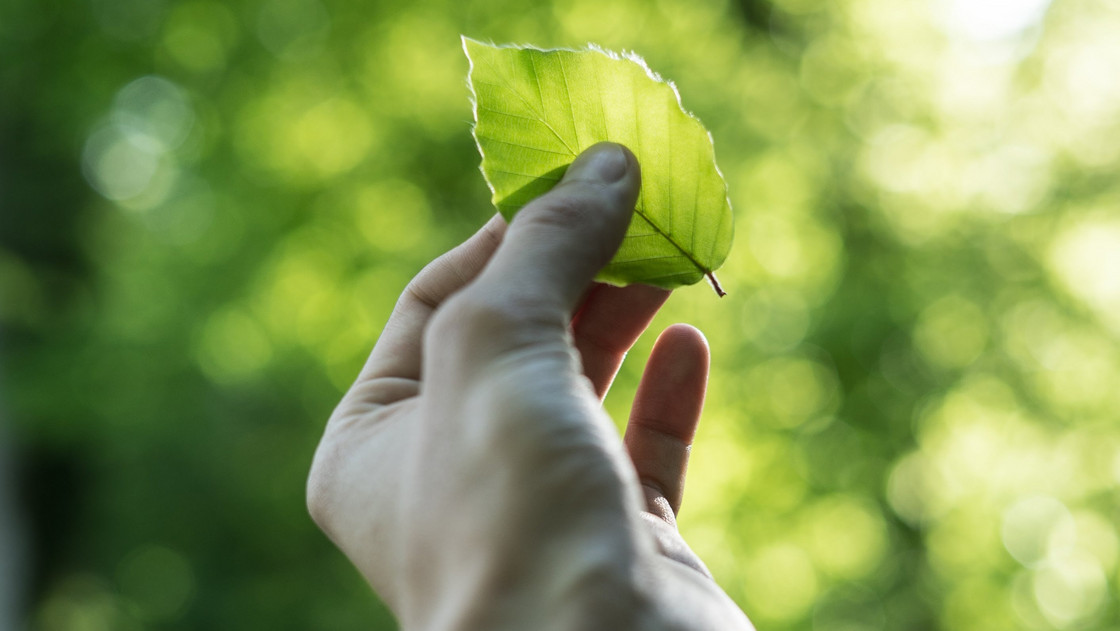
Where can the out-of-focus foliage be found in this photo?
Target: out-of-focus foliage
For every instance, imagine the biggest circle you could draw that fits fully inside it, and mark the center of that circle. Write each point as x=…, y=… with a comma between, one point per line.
x=208, y=208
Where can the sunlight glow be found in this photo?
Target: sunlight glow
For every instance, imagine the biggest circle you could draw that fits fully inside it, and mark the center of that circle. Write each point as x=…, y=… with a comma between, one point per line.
x=989, y=20
x=1086, y=260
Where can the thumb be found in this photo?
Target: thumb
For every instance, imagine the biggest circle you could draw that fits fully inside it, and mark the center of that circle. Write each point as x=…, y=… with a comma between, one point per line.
x=558, y=242
x=525, y=296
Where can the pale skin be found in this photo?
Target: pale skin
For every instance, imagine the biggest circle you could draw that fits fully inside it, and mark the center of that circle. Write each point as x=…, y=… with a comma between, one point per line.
x=471, y=473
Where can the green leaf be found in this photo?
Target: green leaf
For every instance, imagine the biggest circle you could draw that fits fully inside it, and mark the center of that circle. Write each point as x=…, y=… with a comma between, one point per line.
x=536, y=110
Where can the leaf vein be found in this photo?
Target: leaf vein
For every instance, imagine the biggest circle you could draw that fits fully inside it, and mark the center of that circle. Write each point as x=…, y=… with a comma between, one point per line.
x=667, y=276
x=540, y=117
x=527, y=147
x=643, y=259
x=528, y=175
x=536, y=78
x=568, y=95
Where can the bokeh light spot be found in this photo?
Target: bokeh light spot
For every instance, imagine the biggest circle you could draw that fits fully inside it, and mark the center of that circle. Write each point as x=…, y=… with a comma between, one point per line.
x=120, y=164
x=908, y=488
x=1085, y=258
x=305, y=131
x=82, y=602
x=1032, y=525
x=951, y=333
x=157, y=580
x=847, y=536
x=796, y=249
x=1096, y=537
x=333, y=136
x=781, y=583
x=392, y=214
x=232, y=347
x=200, y=35
x=293, y=29
x=986, y=20
x=155, y=108
x=1071, y=592
x=128, y=160
x=775, y=320
x=419, y=62
x=796, y=389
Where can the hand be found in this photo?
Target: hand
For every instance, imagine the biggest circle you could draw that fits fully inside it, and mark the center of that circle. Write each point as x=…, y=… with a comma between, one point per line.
x=471, y=474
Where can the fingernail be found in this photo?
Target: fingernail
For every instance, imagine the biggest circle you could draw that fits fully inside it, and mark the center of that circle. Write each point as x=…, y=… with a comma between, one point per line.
x=605, y=162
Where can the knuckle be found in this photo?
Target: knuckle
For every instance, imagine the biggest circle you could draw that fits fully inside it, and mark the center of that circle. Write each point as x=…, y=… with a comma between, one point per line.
x=563, y=209
x=436, y=280
x=570, y=205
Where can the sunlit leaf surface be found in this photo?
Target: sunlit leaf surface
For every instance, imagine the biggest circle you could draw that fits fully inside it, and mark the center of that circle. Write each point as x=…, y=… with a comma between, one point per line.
x=536, y=110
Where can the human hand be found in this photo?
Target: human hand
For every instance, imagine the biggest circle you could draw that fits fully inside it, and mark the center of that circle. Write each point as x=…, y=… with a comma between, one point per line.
x=471, y=474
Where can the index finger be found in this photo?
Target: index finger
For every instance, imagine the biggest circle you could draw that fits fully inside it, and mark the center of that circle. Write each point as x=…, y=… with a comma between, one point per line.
x=397, y=353
x=608, y=323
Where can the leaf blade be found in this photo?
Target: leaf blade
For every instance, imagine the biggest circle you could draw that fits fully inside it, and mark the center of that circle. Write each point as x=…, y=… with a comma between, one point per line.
x=536, y=110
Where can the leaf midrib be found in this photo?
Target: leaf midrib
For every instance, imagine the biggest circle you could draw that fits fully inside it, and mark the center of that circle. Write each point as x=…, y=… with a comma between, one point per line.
x=703, y=269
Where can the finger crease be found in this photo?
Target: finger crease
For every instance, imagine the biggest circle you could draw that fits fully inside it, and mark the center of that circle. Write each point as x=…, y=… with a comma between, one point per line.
x=422, y=296
x=651, y=425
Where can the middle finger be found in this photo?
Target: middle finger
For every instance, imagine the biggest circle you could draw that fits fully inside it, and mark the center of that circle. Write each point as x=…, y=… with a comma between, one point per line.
x=608, y=323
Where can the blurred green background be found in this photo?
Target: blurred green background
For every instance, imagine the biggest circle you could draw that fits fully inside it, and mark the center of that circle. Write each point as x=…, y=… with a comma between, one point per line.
x=208, y=208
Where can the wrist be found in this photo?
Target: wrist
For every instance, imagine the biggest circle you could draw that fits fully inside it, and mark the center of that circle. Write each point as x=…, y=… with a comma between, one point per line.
x=580, y=584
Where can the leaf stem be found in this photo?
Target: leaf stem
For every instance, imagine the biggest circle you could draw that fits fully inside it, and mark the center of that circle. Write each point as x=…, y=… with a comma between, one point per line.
x=715, y=284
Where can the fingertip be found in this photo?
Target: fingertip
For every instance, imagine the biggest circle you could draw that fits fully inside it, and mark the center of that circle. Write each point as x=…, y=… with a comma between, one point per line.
x=612, y=172
x=686, y=336
x=559, y=241
x=684, y=350
x=605, y=162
